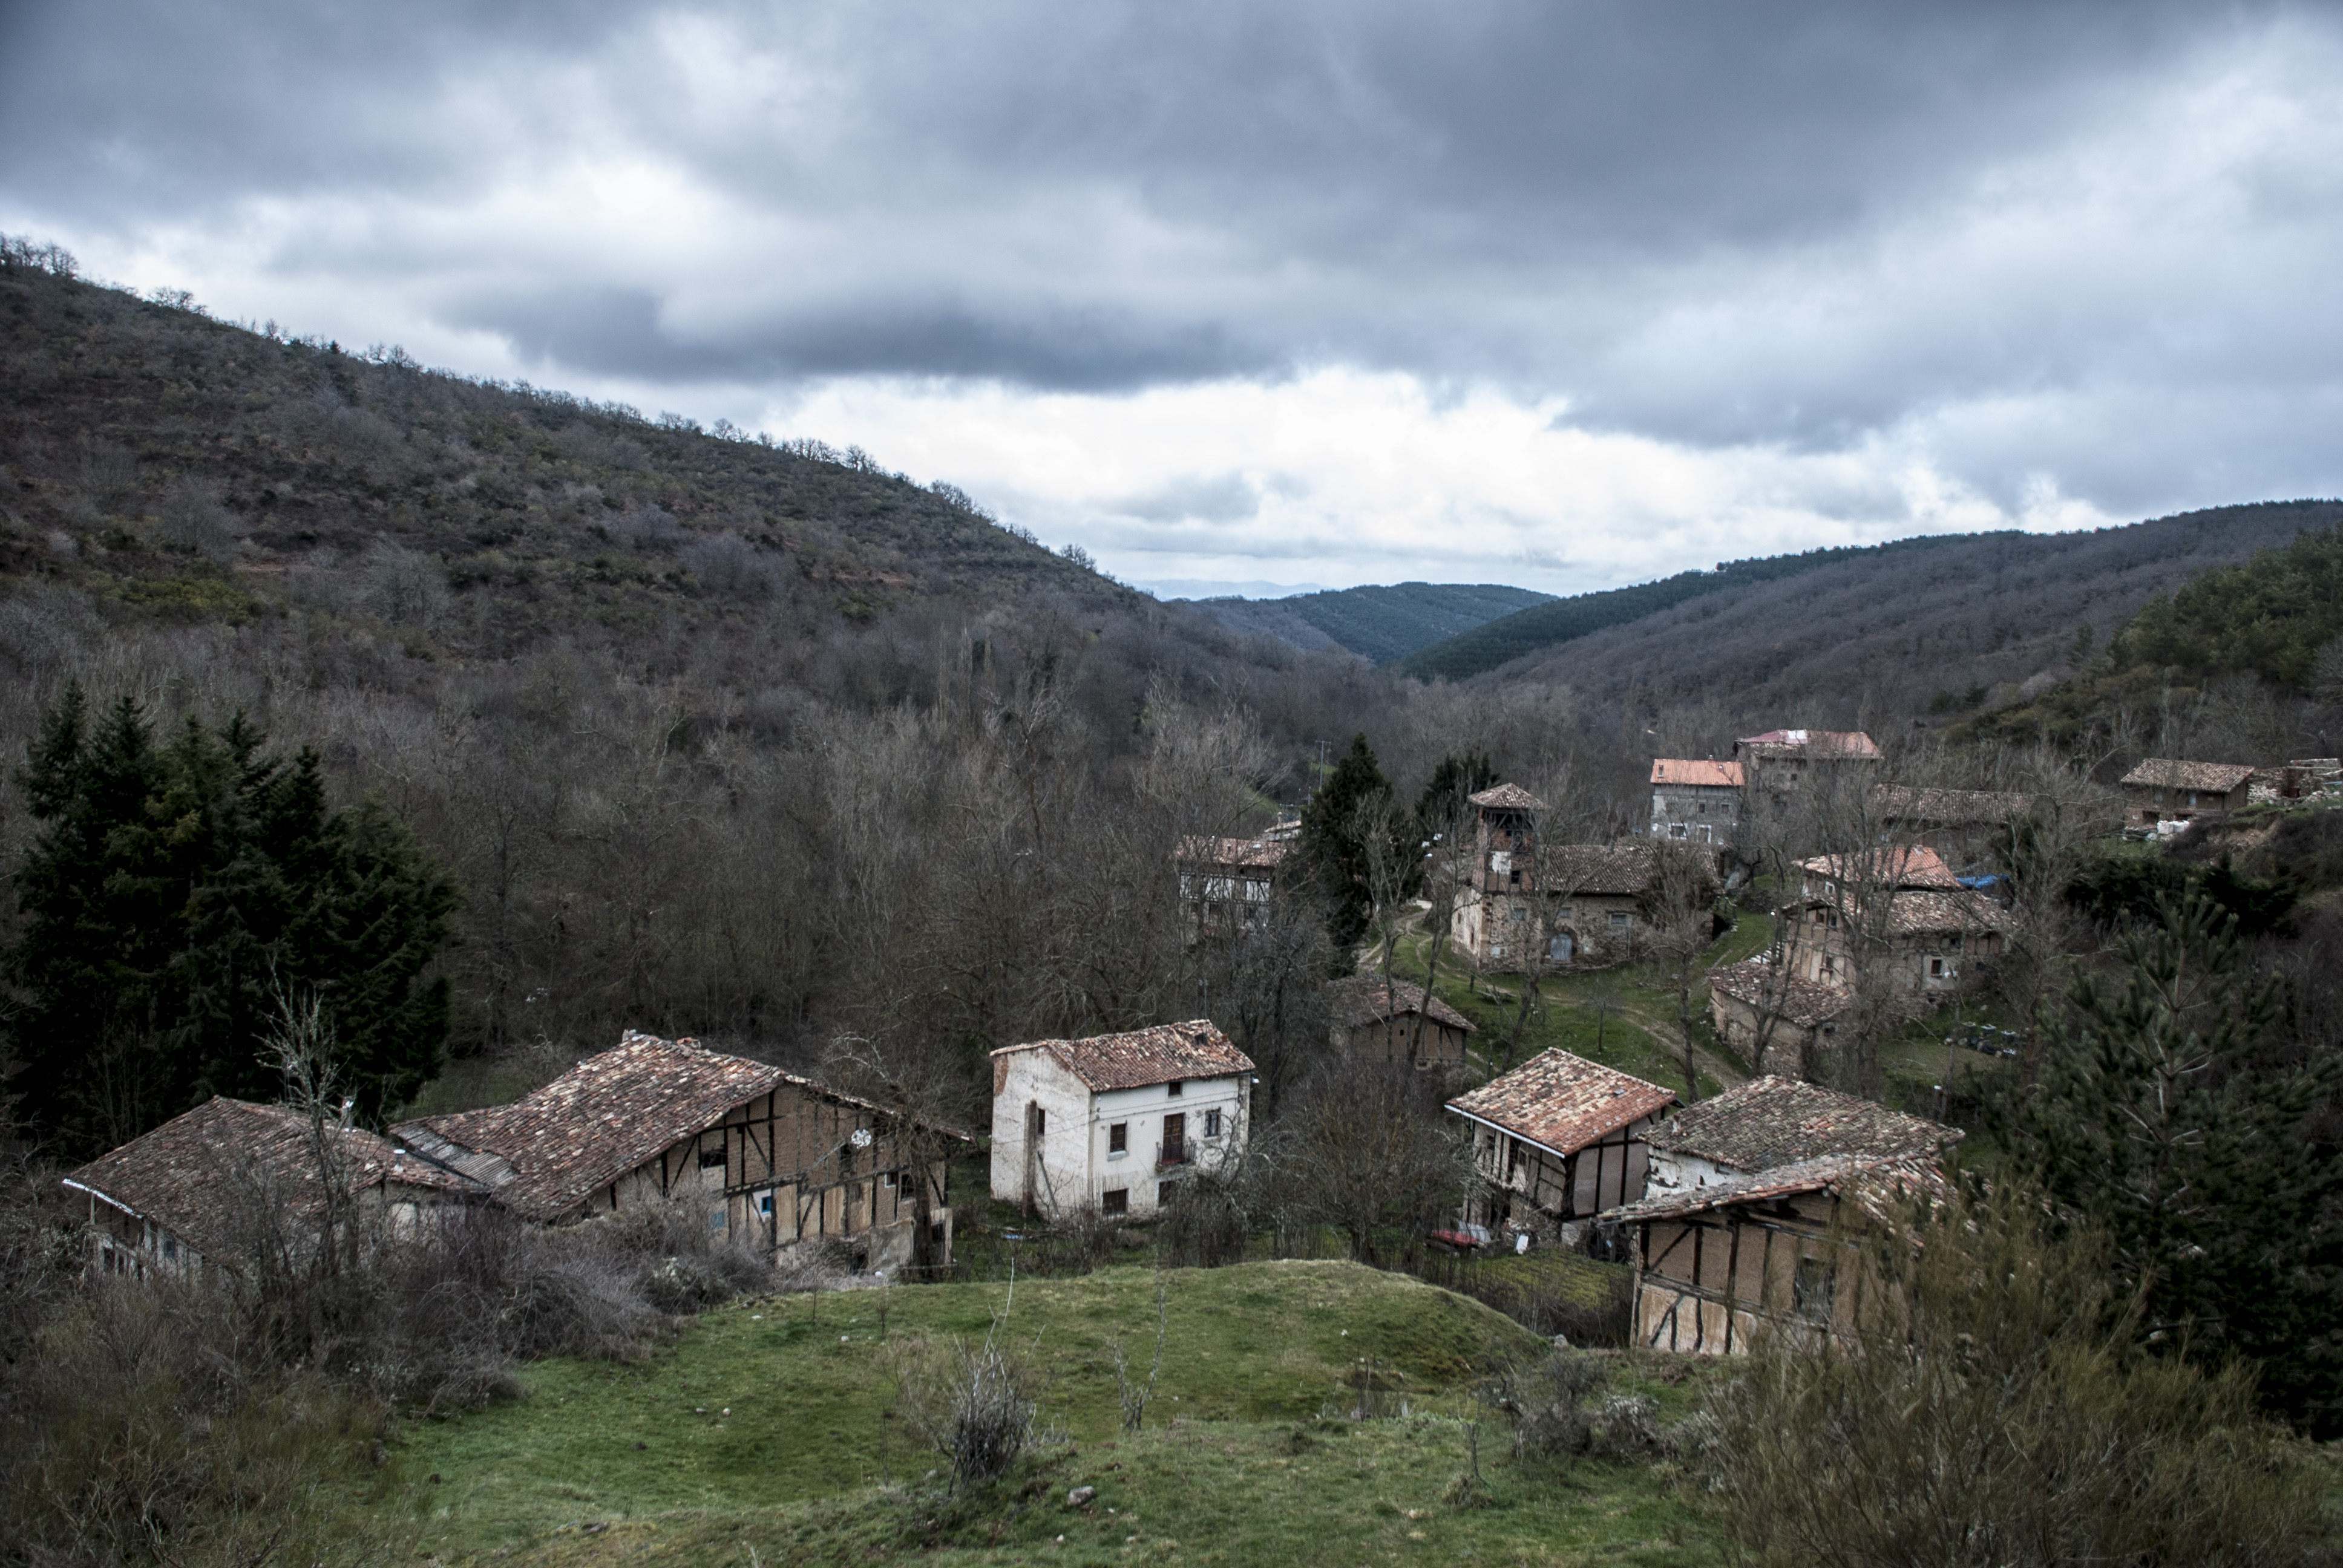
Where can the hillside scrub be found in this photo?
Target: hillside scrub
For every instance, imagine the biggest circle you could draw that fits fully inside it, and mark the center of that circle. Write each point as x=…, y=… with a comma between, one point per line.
x=1992, y=1405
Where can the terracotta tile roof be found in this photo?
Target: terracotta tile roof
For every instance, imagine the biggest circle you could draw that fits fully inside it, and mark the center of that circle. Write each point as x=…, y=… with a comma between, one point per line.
x=1807, y=1004
x=1916, y=867
x=2171, y=773
x=1359, y=999
x=1951, y=808
x=187, y=1174
x=1507, y=798
x=1693, y=771
x=1771, y=1121
x=1562, y=1102
x=1876, y=1183
x=1243, y=853
x=548, y=1152
x=1840, y=743
x=1597, y=870
x=1913, y=913
x=1141, y=1057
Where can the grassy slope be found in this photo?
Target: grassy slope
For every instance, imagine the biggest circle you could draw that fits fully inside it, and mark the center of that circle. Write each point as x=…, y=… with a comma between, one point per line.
x=1252, y=1354
x=1638, y=1037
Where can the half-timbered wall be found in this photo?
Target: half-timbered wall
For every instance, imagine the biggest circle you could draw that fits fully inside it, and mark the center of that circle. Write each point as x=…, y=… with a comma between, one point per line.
x=1704, y=1284
x=1391, y=1039
x=1530, y=1185
x=784, y=1168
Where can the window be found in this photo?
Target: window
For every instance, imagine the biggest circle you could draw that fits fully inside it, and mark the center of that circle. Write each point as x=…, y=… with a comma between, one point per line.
x=1115, y=1200
x=1562, y=912
x=1041, y=1121
x=1811, y=1288
x=1212, y=1123
x=1619, y=922
x=716, y=1219
x=1935, y=968
x=886, y=1180
x=765, y=1204
x=1676, y=832
x=1162, y=1194
x=1172, y=1090
x=711, y=1160
x=1118, y=1137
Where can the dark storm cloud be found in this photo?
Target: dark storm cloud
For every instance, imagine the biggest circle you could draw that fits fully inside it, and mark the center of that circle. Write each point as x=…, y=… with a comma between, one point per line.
x=1713, y=223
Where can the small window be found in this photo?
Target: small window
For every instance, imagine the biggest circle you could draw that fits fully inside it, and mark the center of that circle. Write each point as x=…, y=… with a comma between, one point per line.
x=765, y=1204
x=1811, y=1289
x=711, y=1160
x=886, y=1178
x=1118, y=1137
x=716, y=1219
x=1618, y=923
x=1935, y=968
x=1041, y=1122
x=1172, y=1089
x=1115, y=1200
x=1212, y=1123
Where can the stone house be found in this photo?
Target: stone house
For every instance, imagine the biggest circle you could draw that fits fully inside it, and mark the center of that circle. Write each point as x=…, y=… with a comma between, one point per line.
x=1226, y=884
x=1108, y=1124
x=777, y=1160
x=1783, y=762
x=1558, y=1140
x=1900, y=908
x=2166, y=790
x=1696, y=800
x=1395, y=1021
x=1569, y=906
x=210, y=1188
x=1805, y=1012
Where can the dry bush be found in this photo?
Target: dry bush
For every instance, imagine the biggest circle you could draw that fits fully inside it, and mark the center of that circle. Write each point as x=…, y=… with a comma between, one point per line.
x=1207, y=1224
x=975, y=1403
x=135, y=1435
x=1547, y=1400
x=1990, y=1406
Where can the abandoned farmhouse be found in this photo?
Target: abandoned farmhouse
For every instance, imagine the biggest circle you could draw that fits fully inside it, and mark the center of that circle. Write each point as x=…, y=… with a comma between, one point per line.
x=1107, y=1124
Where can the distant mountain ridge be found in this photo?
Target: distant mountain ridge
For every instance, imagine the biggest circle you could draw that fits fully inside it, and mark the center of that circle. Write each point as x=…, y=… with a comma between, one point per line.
x=1381, y=622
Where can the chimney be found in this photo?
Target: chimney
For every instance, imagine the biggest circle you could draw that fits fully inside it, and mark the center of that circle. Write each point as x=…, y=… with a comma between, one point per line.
x=350, y=1104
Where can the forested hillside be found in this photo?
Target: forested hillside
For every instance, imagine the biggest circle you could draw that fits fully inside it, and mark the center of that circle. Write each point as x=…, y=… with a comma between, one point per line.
x=1880, y=638
x=1379, y=623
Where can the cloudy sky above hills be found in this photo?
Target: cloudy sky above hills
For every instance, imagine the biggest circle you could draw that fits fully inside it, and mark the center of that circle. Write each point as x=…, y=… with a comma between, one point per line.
x=1559, y=294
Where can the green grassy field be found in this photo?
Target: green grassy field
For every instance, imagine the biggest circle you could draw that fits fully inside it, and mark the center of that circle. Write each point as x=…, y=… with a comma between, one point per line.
x=772, y=1423
x=1623, y=1018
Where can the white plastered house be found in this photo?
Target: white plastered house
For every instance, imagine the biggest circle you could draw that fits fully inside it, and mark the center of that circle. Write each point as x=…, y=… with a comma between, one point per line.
x=1109, y=1123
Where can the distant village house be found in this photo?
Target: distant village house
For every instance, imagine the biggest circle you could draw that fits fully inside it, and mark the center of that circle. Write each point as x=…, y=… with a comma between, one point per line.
x=1784, y=762
x=2166, y=790
x=776, y=1160
x=1902, y=909
x=1108, y=1124
x=1392, y=1021
x=1558, y=1140
x=1696, y=800
x=1568, y=906
x=1967, y=828
x=1226, y=884
x=213, y=1188
x=1735, y=1226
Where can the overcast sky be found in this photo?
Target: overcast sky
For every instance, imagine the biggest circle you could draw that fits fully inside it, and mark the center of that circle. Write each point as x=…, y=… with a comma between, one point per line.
x=1539, y=292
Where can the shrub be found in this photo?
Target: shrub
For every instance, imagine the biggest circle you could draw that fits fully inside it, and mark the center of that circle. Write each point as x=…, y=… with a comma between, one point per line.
x=975, y=1403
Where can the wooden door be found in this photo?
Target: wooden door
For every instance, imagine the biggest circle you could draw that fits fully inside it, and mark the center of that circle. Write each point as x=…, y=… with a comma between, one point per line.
x=1175, y=1138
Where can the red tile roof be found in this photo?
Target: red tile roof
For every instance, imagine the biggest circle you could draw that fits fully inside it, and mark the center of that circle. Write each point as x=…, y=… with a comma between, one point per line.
x=604, y=1117
x=1359, y=999
x=1597, y=870
x=1507, y=798
x=1915, y=867
x=189, y=1174
x=1770, y=1121
x=1876, y=1183
x=2171, y=773
x=1248, y=854
x=1710, y=773
x=1562, y=1102
x=1141, y=1057
x=1840, y=743
x=1918, y=913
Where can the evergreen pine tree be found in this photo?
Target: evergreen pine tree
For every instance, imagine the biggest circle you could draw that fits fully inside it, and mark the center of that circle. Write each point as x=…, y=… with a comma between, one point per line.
x=174, y=892
x=2161, y=1118
x=1351, y=802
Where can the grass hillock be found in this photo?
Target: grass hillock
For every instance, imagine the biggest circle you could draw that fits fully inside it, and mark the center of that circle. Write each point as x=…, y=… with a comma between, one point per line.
x=793, y=1399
